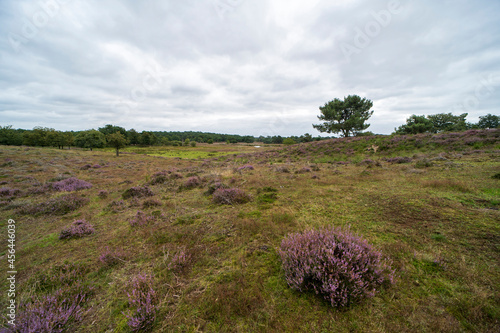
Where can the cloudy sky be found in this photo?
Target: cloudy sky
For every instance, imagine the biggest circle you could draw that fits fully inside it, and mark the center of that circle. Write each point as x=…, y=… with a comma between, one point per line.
x=250, y=67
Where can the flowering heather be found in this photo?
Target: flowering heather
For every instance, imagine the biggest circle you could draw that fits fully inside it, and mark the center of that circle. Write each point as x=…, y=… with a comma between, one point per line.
x=49, y=314
x=7, y=193
x=71, y=184
x=213, y=186
x=55, y=206
x=230, y=196
x=141, y=219
x=77, y=229
x=115, y=206
x=192, y=182
x=97, y=166
x=340, y=266
x=137, y=192
x=159, y=178
x=143, y=302
x=179, y=261
x=86, y=167
x=246, y=167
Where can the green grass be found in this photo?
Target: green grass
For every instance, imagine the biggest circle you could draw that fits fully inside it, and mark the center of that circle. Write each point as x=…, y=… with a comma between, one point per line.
x=438, y=224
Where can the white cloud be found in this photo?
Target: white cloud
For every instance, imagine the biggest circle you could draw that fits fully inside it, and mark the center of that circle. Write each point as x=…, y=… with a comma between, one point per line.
x=255, y=67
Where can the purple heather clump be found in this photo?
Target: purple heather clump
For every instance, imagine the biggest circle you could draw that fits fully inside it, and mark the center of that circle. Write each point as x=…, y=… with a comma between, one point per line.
x=55, y=206
x=77, y=229
x=138, y=192
x=159, y=178
x=141, y=219
x=97, y=166
x=71, y=184
x=143, y=303
x=179, y=261
x=230, y=196
x=335, y=263
x=192, y=182
x=246, y=167
x=86, y=167
x=213, y=186
x=49, y=314
x=7, y=193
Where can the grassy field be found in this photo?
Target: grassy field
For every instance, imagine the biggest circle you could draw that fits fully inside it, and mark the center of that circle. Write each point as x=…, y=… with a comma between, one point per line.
x=428, y=202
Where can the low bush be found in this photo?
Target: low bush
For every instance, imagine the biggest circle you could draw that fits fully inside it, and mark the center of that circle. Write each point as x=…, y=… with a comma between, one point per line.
x=77, y=229
x=71, y=184
x=230, y=196
x=143, y=302
x=336, y=264
x=215, y=185
x=179, y=261
x=137, y=192
x=57, y=206
x=50, y=314
x=192, y=182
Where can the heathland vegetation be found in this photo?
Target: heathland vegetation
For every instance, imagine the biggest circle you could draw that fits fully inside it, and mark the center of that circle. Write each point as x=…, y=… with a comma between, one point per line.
x=394, y=233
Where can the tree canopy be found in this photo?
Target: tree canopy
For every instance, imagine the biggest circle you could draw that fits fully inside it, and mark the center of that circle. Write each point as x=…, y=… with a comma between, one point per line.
x=347, y=117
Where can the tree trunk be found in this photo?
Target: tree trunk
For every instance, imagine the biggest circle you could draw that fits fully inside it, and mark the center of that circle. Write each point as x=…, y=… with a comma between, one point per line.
x=117, y=152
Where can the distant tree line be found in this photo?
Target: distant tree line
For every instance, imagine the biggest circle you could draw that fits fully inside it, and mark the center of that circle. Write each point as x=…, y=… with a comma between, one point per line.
x=117, y=137
x=445, y=122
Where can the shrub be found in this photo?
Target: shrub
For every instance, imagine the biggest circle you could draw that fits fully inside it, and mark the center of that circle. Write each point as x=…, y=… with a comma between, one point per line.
x=192, y=182
x=214, y=186
x=86, y=167
x=7, y=193
x=159, y=178
x=246, y=167
x=58, y=206
x=137, y=192
x=179, y=261
x=143, y=301
x=49, y=314
x=230, y=196
x=340, y=266
x=77, y=229
x=71, y=184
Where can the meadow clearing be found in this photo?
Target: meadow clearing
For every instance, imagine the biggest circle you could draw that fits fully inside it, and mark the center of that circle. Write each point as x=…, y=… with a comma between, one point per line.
x=149, y=221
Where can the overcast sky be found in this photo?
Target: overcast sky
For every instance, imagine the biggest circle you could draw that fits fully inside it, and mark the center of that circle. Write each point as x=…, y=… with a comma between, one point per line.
x=249, y=67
